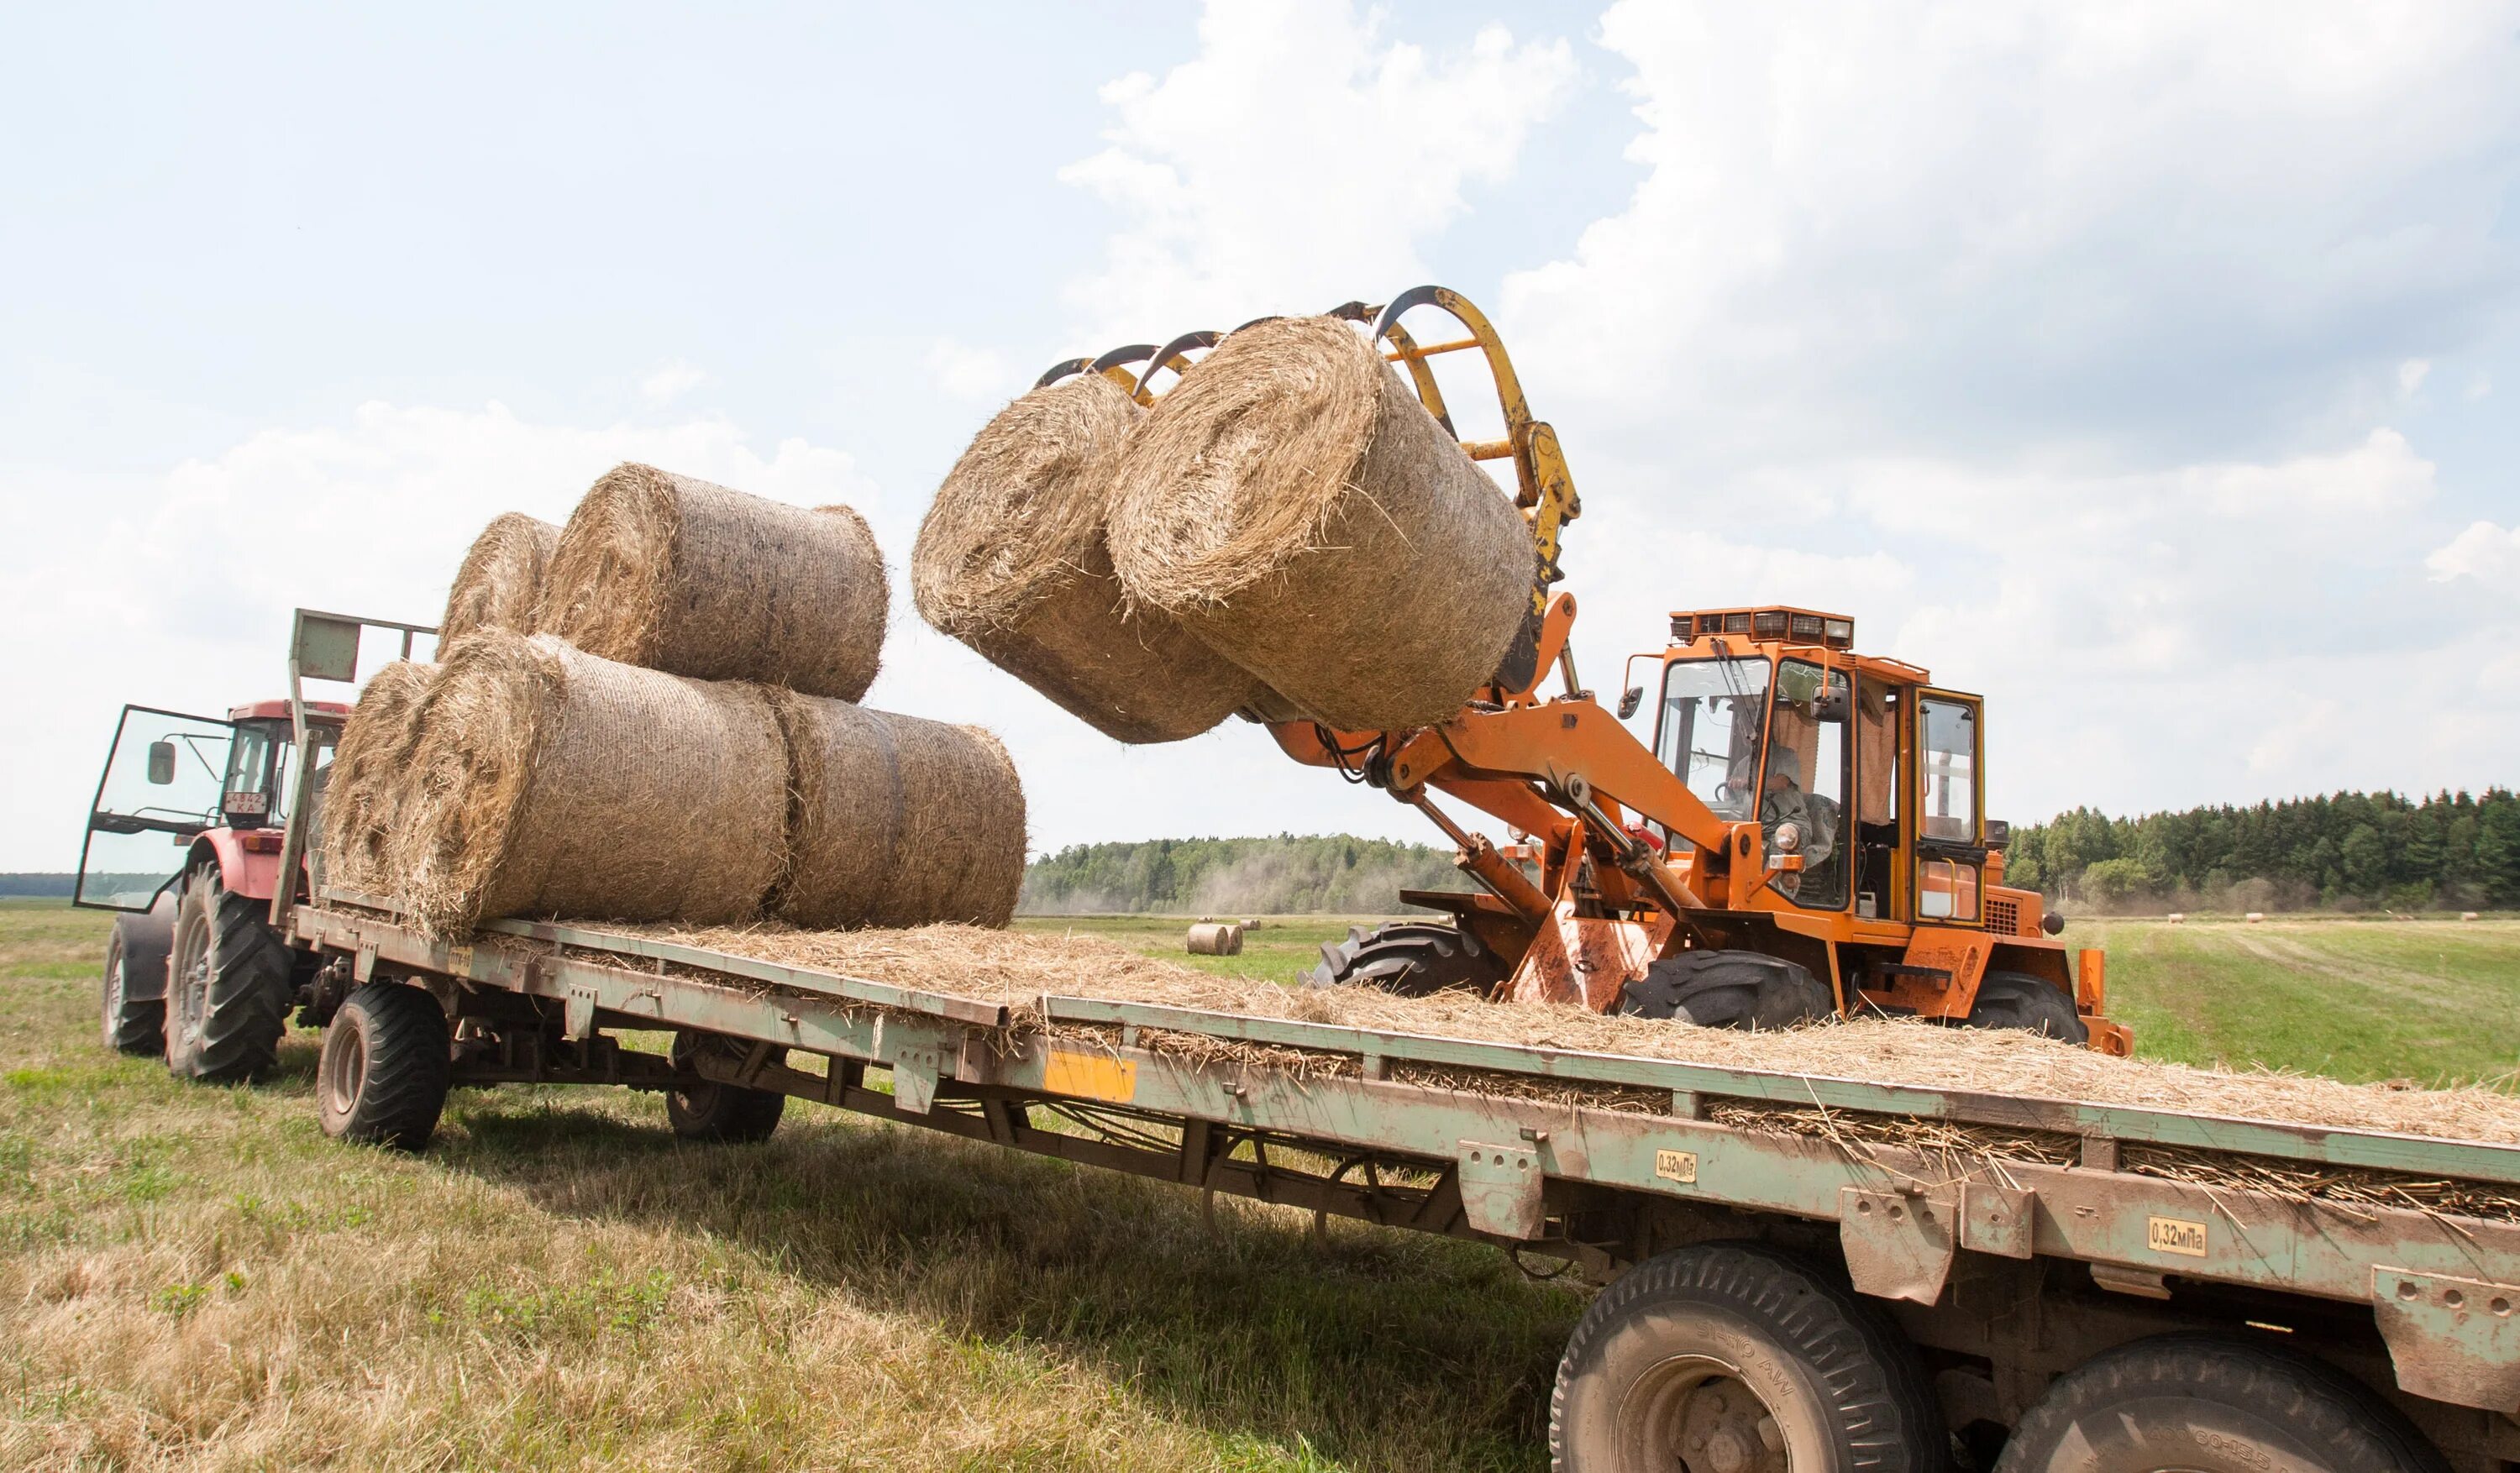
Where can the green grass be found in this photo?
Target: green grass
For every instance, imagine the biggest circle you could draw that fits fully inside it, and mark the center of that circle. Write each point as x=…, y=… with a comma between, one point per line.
x=1277, y=949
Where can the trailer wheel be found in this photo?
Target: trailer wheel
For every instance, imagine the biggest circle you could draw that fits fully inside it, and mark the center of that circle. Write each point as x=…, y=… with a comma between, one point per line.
x=135, y=962
x=386, y=1061
x=1718, y=989
x=228, y=984
x=725, y=1114
x=2033, y=1004
x=2212, y=1404
x=1733, y=1357
x=1410, y=958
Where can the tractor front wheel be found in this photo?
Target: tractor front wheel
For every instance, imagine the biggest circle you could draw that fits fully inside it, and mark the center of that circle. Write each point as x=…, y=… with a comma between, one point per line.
x=2033, y=1004
x=134, y=992
x=228, y=984
x=1719, y=989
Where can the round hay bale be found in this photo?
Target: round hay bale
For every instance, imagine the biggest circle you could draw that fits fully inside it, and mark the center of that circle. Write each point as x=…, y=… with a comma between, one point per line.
x=546, y=781
x=362, y=788
x=1215, y=939
x=1294, y=506
x=1012, y=560
x=694, y=579
x=895, y=822
x=501, y=582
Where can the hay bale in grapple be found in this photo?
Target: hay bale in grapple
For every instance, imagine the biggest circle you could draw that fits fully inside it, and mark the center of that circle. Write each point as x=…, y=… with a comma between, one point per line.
x=694, y=579
x=363, y=787
x=501, y=582
x=546, y=781
x=894, y=821
x=1293, y=504
x=1011, y=562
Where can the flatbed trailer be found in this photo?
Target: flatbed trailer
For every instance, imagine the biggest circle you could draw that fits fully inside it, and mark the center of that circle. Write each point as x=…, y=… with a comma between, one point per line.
x=2011, y=1259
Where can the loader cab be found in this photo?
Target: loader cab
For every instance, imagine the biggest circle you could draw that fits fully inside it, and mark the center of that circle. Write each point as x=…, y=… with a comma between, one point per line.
x=1874, y=776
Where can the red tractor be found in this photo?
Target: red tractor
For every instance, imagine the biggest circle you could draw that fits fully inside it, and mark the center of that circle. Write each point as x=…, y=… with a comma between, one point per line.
x=187, y=837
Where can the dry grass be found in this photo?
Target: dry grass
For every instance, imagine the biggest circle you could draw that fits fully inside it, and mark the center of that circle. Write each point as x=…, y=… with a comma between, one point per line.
x=1296, y=509
x=194, y=1279
x=500, y=584
x=1012, y=560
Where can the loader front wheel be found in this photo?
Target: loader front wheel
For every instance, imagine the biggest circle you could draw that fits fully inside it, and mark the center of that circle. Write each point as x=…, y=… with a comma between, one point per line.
x=228, y=984
x=386, y=1063
x=1718, y=989
x=1413, y=959
x=2033, y=1004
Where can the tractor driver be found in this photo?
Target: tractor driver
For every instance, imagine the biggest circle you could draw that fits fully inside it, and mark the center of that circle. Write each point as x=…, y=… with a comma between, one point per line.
x=1788, y=822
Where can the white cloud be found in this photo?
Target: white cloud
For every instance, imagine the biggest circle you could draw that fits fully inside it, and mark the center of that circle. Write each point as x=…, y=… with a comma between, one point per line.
x=969, y=372
x=670, y=382
x=2410, y=376
x=1301, y=158
x=2484, y=552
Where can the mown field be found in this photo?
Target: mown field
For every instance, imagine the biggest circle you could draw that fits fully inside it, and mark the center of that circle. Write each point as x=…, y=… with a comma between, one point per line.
x=194, y=1277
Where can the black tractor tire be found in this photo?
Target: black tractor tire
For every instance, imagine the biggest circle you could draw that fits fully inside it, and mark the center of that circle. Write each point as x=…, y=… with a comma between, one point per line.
x=2033, y=1004
x=1413, y=959
x=228, y=984
x=2212, y=1404
x=1734, y=1356
x=387, y=1060
x=1720, y=989
x=723, y=1114
x=135, y=959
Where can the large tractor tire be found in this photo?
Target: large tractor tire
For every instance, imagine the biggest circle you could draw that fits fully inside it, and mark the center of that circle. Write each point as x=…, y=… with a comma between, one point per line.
x=133, y=996
x=2212, y=1404
x=1719, y=989
x=1413, y=959
x=706, y=1111
x=2033, y=1004
x=228, y=985
x=1733, y=1355
x=387, y=1058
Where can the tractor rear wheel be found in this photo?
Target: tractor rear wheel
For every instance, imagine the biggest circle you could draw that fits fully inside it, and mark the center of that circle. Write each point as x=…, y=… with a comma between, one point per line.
x=228, y=984
x=135, y=962
x=1413, y=959
x=1719, y=989
x=2033, y=1004
x=386, y=1063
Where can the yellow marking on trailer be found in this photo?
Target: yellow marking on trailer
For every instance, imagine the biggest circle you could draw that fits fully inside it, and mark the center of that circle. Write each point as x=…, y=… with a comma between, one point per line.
x=1677, y=1166
x=458, y=960
x=1095, y=1076
x=2176, y=1235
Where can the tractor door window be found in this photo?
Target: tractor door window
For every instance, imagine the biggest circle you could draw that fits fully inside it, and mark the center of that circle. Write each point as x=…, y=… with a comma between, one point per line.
x=1806, y=783
x=1948, y=867
x=1713, y=715
x=1876, y=795
x=160, y=786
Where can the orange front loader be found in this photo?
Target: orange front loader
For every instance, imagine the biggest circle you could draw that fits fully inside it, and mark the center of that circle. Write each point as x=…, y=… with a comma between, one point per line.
x=1805, y=835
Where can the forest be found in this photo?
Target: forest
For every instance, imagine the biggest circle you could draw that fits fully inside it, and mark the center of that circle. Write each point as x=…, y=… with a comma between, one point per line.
x=1290, y=874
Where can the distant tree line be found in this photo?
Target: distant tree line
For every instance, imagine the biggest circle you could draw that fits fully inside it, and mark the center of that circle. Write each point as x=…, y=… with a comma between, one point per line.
x=2346, y=851
x=1290, y=874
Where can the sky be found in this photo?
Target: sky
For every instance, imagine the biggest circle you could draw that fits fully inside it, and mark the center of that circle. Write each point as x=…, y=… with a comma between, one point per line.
x=2152, y=370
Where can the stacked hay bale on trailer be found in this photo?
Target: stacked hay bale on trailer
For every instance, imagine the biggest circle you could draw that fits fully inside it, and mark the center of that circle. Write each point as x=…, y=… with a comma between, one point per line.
x=500, y=585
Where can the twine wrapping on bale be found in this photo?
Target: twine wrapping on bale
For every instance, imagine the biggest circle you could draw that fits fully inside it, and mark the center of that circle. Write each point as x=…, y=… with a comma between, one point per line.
x=1012, y=560
x=893, y=820
x=1294, y=506
x=694, y=579
x=501, y=582
x=1215, y=939
x=363, y=788
x=546, y=781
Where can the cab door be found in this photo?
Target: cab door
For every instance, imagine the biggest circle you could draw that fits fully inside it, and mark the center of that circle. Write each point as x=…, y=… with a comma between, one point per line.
x=1948, y=799
x=161, y=786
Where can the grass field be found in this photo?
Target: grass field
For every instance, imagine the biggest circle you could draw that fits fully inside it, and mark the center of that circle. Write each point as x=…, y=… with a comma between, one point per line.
x=196, y=1278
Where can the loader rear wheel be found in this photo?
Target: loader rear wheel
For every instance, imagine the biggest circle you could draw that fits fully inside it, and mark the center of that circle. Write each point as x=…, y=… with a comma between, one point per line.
x=1413, y=959
x=135, y=962
x=1733, y=1357
x=1718, y=989
x=386, y=1062
x=228, y=984
x=2033, y=1004
x=2212, y=1404
x=722, y=1113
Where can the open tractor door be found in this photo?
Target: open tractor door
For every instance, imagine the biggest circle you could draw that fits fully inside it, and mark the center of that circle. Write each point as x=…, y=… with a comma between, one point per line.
x=1802, y=834
x=190, y=837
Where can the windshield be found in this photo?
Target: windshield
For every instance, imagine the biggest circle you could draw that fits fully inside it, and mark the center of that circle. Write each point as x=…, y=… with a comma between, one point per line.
x=1713, y=714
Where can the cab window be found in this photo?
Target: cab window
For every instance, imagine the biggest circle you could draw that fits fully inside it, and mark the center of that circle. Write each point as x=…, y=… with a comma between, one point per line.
x=1806, y=783
x=1714, y=713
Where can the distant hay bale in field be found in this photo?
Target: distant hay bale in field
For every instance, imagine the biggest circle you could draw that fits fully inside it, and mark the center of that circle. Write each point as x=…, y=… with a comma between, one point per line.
x=2177, y=917
x=2254, y=918
x=501, y=582
x=1215, y=939
x=894, y=821
x=546, y=781
x=363, y=788
x=1294, y=506
x=1012, y=560
x=694, y=579
x=2467, y=916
